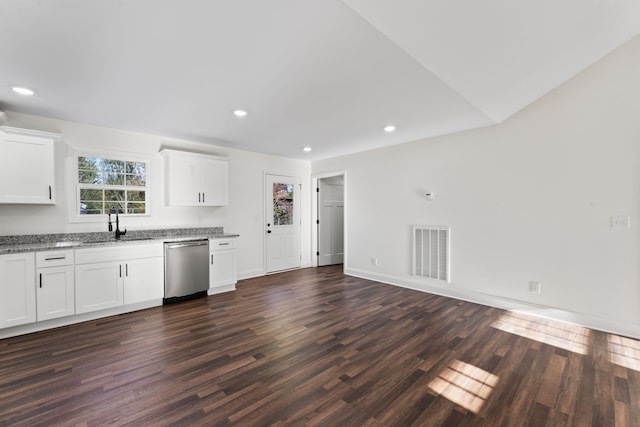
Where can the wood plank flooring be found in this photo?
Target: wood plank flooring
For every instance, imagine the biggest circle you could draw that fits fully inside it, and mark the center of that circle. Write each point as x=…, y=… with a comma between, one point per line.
x=313, y=347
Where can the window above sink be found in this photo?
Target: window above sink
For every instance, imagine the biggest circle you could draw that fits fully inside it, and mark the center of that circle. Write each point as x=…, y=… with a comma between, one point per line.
x=105, y=179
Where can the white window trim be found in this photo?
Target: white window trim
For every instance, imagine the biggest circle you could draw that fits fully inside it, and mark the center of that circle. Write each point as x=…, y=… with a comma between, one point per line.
x=73, y=198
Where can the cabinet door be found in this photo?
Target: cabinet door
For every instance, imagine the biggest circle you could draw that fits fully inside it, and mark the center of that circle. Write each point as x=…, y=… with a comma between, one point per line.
x=98, y=286
x=214, y=182
x=183, y=181
x=144, y=280
x=27, y=170
x=55, y=292
x=223, y=268
x=17, y=289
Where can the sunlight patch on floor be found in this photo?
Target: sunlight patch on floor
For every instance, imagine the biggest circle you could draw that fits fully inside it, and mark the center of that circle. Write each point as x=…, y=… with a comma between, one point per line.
x=624, y=352
x=465, y=385
x=558, y=334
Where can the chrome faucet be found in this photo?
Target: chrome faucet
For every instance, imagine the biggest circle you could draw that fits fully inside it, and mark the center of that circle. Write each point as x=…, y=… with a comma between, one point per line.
x=119, y=233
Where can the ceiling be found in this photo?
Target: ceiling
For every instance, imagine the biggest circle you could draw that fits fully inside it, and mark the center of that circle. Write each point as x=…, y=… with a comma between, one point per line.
x=328, y=74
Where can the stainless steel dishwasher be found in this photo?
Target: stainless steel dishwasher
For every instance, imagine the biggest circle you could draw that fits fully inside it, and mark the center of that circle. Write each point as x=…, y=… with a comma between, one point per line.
x=186, y=270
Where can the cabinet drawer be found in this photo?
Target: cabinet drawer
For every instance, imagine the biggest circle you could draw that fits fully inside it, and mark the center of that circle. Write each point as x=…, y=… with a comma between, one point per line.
x=119, y=252
x=54, y=258
x=221, y=244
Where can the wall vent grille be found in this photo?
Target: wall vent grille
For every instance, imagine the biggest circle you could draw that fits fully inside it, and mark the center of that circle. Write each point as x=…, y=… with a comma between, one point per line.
x=431, y=247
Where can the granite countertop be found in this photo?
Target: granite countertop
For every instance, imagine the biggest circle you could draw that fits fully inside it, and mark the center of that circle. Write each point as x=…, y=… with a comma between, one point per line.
x=47, y=242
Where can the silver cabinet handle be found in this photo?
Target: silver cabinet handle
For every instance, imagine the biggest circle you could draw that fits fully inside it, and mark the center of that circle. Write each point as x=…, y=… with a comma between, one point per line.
x=55, y=258
x=224, y=244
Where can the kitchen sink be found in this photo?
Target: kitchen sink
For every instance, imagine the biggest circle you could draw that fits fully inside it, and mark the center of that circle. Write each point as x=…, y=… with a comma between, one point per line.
x=70, y=244
x=128, y=239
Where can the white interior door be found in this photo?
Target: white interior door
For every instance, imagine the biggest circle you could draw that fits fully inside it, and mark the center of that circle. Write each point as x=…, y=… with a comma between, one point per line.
x=331, y=221
x=282, y=194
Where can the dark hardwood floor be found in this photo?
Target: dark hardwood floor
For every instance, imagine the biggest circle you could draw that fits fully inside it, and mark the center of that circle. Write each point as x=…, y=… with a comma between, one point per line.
x=314, y=347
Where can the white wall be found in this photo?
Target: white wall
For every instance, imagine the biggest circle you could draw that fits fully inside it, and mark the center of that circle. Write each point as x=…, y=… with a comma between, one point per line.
x=244, y=214
x=527, y=200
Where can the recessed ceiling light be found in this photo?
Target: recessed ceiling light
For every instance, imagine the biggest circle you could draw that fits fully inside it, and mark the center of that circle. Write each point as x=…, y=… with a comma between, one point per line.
x=306, y=149
x=389, y=128
x=23, y=90
x=239, y=113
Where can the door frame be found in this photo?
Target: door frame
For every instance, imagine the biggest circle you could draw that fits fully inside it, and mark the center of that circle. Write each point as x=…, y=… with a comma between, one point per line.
x=264, y=218
x=314, y=216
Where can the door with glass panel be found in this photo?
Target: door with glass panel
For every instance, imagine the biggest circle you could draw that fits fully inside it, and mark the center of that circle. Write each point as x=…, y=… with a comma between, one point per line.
x=282, y=226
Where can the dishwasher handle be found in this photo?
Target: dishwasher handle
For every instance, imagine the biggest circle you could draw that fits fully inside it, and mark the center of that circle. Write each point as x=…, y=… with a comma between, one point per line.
x=186, y=244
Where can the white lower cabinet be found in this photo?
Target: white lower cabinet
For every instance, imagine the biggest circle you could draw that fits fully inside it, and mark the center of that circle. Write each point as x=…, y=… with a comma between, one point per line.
x=223, y=275
x=17, y=289
x=99, y=286
x=55, y=290
x=109, y=277
x=143, y=280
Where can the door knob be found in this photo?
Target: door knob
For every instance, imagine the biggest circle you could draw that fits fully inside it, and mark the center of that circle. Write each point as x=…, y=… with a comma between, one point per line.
x=268, y=231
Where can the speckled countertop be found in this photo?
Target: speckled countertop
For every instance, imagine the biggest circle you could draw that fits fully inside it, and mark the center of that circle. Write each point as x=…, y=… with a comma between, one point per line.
x=46, y=242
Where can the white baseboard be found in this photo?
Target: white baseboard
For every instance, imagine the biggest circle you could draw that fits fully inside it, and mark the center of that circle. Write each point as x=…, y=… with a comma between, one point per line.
x=221, y=289
x=77, y=318
x=576, y=318
x=249, y=274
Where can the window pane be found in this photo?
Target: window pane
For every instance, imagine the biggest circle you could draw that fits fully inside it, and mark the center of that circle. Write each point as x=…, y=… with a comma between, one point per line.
x=136, y=174
x=90, y=194
x=282, y=204
x=136, y=208
x=118, y=206
x=91, y=208
x=88, y=163
x=113, y=172
x=89, y=170
x=136, y=196
x=113, y=195
x=91, y=202
x=112, y=178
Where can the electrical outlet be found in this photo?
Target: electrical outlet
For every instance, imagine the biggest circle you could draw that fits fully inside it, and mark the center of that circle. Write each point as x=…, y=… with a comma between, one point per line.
x=534, y=287
x=374, y=261
x=621, y=221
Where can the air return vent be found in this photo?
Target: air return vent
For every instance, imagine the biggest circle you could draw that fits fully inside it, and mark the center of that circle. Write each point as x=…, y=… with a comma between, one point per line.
x=431, y=252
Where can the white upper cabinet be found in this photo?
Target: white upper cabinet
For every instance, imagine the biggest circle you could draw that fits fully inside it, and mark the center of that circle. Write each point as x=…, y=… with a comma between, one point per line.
x=26, y=166
x=195, y=179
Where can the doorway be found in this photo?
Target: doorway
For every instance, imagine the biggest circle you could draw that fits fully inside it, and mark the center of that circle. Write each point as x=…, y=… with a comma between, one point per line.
x=283, y=228
x=330, y=220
